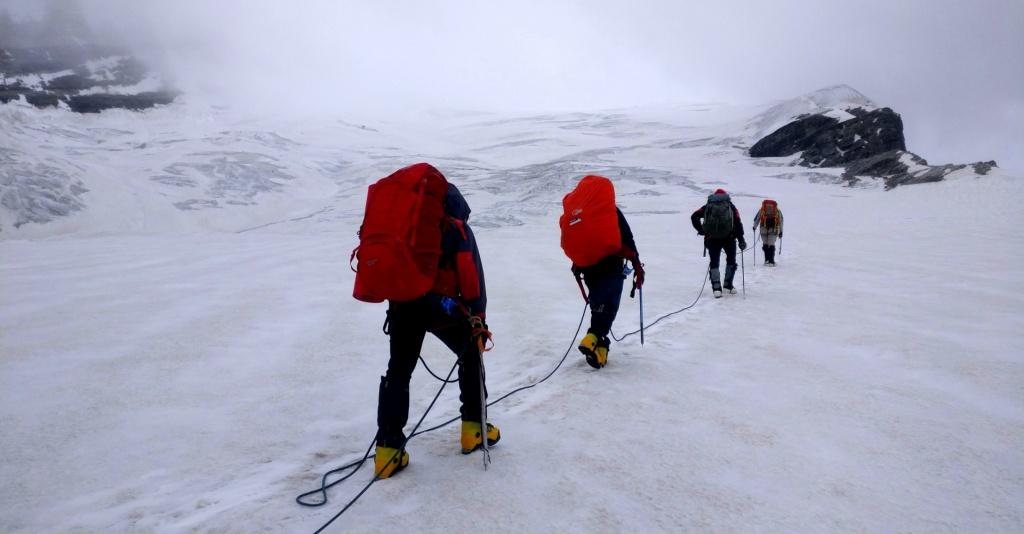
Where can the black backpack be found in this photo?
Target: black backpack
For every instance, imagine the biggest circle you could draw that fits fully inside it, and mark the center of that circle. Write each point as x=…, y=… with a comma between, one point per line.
x=718, y=217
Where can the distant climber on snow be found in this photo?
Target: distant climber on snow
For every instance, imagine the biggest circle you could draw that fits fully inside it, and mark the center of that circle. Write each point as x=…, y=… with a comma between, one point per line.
x=721, y=229
x=598, y=240
x=769, y=218
x=417, y=251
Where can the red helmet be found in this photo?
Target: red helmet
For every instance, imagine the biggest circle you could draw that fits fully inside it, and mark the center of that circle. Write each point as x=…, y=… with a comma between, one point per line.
x=720, y=191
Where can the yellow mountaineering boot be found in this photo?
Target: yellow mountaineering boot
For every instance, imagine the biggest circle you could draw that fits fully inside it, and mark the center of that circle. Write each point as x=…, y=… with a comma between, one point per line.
x=389, y=461
x=471, y=440
x=595, y=350
x=601, y=354
x=588, y=346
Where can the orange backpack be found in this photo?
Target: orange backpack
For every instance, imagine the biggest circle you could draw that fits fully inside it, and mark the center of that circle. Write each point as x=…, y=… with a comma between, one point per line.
x=589, y=223
x=769, y=214
x=400, y=238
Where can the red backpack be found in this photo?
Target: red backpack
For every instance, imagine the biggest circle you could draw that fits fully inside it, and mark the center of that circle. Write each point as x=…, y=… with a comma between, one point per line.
x=400, y=238
x=589, y=223
x=769, y=214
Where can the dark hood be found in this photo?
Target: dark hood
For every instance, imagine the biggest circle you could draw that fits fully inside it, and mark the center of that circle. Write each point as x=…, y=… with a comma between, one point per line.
x=455, y=204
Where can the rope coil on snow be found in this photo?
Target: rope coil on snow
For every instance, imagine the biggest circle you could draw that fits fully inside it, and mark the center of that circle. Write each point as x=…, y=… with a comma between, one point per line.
x=356, y=465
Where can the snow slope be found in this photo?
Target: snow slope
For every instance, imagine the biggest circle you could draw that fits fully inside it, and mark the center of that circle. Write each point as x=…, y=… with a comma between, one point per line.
x=829, y=101
x=167, y=369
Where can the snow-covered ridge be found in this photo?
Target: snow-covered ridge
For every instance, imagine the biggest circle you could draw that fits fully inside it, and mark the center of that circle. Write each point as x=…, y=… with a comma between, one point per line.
x=831, y=101
x=183, y=168
x=191, y=168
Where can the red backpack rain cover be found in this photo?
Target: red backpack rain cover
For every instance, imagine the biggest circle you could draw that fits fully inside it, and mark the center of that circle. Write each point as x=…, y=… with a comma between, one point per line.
x=769, y=214
x=400, y=238
x=590, y=226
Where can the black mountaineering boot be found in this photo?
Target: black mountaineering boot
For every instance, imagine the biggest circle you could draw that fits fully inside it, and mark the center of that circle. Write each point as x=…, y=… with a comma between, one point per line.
x=730, y=273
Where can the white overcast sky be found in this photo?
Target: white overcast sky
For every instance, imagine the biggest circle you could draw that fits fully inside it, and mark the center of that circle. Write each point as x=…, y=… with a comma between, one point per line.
x=953, y=69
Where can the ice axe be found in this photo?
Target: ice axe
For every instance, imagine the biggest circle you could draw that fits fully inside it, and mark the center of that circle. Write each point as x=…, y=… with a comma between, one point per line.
x=641, y=316
x=483, y=416
x=632, y=294
x=579, y=282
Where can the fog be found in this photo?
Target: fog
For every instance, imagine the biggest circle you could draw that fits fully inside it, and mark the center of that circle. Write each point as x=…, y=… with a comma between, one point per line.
x=953, y=69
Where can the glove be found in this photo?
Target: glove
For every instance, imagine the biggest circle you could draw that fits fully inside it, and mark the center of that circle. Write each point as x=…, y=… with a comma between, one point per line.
x=743, y=244
x=638, y=274
x=780, y=235
x=638, y=278
x=480, y=333
x=700, y=232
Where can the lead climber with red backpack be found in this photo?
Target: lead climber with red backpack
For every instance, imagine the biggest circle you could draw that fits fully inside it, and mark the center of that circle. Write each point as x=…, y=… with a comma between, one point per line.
x=721, y=229
x=417, y=251
x=769, y=218
x=598, y=240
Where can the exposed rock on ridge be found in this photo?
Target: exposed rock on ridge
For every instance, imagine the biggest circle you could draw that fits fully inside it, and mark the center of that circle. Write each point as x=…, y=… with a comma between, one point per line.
x=867, y=142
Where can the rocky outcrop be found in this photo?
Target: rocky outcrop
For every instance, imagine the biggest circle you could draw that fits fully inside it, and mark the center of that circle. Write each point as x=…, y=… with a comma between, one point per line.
x=51, y=61
x=899, y=167
x=868, y=143
x=87, y=84
x=827, y=141
x=137, y=102
x=42, y=99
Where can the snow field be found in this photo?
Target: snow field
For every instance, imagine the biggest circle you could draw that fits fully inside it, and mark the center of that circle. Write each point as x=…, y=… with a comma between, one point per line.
x=198, y=381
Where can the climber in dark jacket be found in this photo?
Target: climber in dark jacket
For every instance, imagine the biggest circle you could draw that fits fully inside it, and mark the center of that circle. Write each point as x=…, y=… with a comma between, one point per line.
x=455, y=312
x=726, y=242
x=604, y=282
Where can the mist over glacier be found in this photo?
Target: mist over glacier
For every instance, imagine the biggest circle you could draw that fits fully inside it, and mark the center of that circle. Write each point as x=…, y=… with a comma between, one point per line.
x=180, y=351
x=951, y=68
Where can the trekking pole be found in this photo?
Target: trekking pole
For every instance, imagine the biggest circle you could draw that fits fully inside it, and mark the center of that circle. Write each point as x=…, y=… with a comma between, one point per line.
x=753, y=249
x=641, y=316
x=743, y=272
x=780, y=246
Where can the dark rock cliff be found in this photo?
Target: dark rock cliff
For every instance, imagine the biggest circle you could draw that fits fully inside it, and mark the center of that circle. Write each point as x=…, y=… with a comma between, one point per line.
x=827, y=142
x=868, y=143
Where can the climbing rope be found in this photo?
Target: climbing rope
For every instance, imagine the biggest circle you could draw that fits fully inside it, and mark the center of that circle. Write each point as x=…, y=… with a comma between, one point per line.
x=667, y=315
x=427, y=367
x=357, y=464
x=376, y=476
